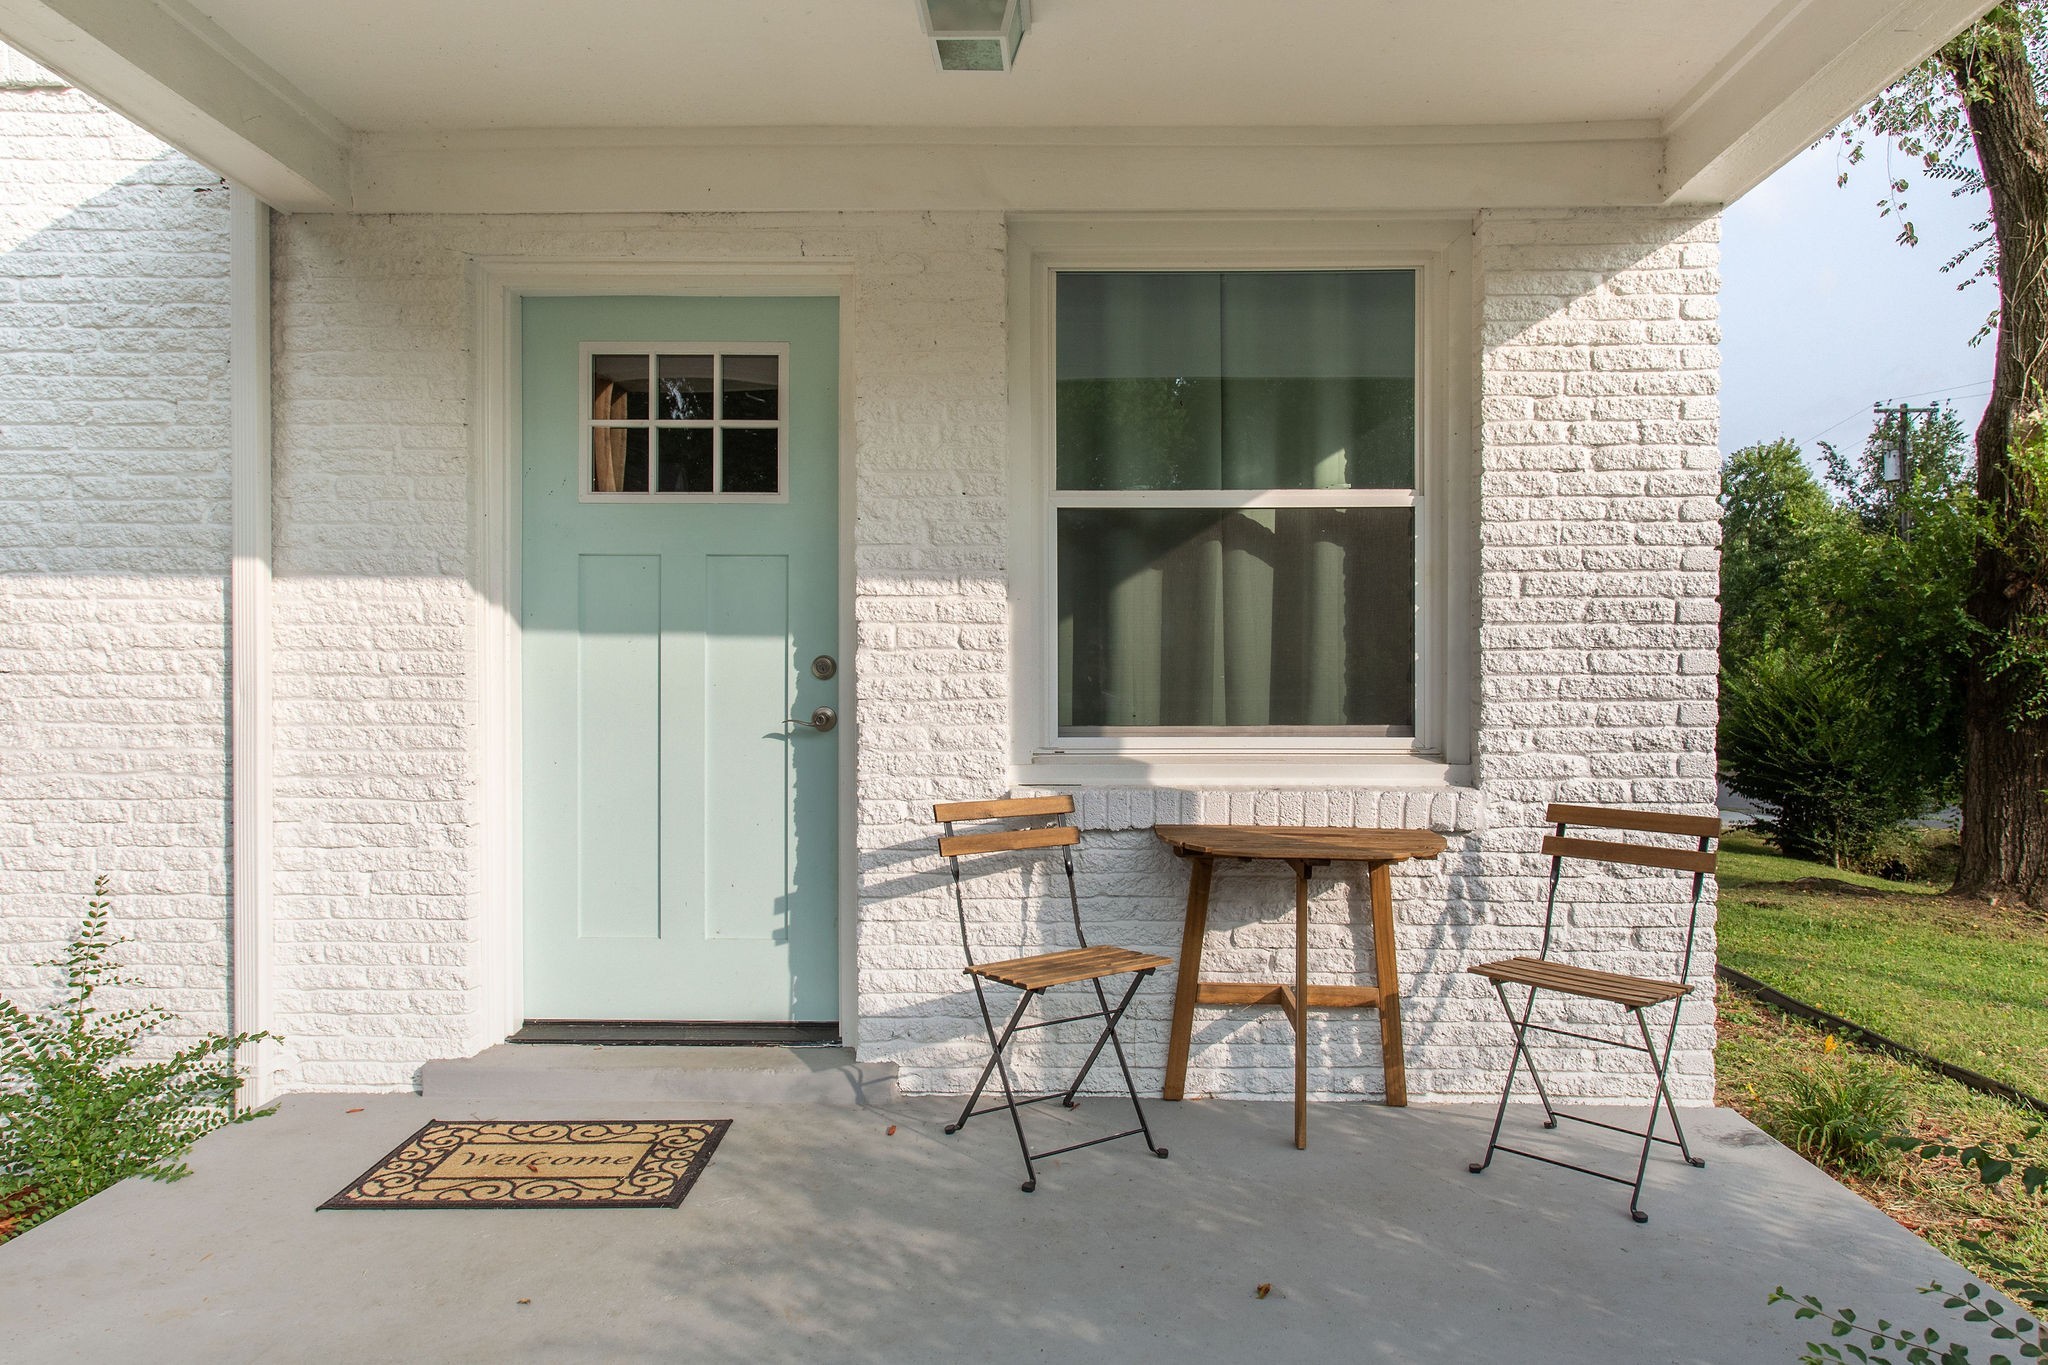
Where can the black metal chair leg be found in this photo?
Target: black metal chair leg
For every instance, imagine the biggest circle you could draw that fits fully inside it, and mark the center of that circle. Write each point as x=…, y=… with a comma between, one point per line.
x=1108, y=1034
x=996, y=1046
x=1130, y=1082
x=1010, y=1099
x=1535, y=1076
x=1670, y=1105
x=1658, y=1103
x=1662, y=1066
x=1520, y=1028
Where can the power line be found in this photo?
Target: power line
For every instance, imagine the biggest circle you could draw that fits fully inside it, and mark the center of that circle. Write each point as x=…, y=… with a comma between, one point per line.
x=1923, y=394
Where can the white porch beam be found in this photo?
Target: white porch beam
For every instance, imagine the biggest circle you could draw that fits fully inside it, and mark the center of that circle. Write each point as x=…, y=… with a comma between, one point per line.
x=1032, y=170
x=1797, y=74
x=170, y=69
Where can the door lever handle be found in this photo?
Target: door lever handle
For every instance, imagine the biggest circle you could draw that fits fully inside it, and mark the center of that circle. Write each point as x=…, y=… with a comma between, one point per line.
x=822, y=719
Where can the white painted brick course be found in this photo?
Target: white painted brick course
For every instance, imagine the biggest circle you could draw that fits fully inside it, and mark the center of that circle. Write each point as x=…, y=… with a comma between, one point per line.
x=113, y=545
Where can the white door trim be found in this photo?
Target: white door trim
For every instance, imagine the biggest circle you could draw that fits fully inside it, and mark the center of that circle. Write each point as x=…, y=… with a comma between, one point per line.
x=498, y=284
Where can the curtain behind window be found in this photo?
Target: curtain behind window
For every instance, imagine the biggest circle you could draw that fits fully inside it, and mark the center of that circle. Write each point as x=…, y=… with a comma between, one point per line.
x=1194, y=617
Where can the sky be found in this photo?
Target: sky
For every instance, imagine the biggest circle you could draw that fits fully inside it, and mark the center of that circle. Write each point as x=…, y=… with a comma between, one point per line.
x=1824, y=313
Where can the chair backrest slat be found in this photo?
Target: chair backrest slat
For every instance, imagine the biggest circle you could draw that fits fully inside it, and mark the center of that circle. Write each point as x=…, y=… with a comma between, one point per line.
x=1010, y=808
x=1641, y=855
x=1642, y=821
x=1061, y=835
x=1008, y=840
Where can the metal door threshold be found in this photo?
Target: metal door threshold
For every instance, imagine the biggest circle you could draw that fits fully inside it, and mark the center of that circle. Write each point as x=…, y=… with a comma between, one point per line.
x=672, y=1033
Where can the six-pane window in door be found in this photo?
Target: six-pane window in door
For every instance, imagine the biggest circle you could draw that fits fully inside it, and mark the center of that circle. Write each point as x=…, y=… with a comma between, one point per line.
x=1234, y=502
x=687, y=422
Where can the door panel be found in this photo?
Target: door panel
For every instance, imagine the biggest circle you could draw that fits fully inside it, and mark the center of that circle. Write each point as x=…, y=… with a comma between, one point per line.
x=746, y=679
x=680, y=836
x=618, y=774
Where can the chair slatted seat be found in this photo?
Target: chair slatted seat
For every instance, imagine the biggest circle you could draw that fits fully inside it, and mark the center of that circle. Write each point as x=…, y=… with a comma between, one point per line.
x=1033, y=975
x=1630, y=992
x=1065, y=968
x=1634, y=995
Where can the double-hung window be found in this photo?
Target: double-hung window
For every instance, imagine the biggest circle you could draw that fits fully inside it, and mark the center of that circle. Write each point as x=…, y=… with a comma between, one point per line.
x=1233, y=510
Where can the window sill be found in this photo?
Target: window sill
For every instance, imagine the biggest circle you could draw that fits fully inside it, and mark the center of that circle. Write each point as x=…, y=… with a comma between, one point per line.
x=1268, y=770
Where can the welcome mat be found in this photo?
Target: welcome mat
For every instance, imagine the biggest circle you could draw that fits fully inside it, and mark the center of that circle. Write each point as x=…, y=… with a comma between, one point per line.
x=509, y=1165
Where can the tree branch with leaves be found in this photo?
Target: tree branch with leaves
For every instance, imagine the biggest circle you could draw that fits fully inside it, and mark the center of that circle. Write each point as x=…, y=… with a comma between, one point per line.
x=1972, y=116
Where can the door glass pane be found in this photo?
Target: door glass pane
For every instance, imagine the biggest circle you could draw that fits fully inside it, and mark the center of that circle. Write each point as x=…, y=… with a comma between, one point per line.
x=750, y=388
x=685, y=383
x=685, y=460
x=618, y=387
x=630, y=451
x=618, y=459
x=1236, y=379
x=1193, y=618
x=751, y=457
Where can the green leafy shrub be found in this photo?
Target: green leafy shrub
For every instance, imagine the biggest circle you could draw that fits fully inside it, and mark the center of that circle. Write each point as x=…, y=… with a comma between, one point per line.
x=1847, y=637
x=1874, y=1342
x=78, y=1111
x=1913, y=855
x=1799, y=736
x=1840, y=1112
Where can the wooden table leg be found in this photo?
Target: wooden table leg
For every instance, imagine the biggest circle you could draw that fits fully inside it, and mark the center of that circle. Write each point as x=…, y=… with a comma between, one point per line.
x=1301, y=995
x=1387, y=967
x=1189, y=978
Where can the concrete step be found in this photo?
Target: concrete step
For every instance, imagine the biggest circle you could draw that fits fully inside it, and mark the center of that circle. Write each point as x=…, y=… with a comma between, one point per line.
x=582, y=1073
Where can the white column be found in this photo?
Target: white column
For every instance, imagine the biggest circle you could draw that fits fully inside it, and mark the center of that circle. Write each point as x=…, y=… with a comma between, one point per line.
x=249, y=722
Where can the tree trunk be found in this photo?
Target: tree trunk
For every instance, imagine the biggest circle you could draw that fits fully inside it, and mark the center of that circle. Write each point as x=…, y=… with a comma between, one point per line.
x=2005, y=759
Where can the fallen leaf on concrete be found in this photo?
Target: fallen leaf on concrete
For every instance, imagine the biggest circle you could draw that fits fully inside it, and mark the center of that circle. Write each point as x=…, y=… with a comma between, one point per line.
x=1263, y=1290
x=352, y=1111
x=892, y=1130
x=526, y=1300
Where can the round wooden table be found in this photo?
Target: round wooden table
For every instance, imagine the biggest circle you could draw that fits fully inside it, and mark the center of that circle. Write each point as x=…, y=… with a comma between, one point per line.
x=1303, y=848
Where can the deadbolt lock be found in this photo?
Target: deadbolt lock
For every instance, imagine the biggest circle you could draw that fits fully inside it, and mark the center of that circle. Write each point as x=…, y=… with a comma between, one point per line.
x=824, y=666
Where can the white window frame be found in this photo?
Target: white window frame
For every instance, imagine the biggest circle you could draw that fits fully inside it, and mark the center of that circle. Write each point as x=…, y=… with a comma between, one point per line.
x=717, y=350
x=1439, y=751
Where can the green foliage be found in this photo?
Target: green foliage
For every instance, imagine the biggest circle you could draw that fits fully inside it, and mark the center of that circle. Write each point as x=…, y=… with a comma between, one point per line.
x=1839, y=1112
x=1773, y=513
x=1923, y=116
x=1914, y=1347
x=78, y=1111
x=1846, y=644
x=1939, y=456
x=1895, y=607
x=1974, y=1303
x=1799, y=734
x=1915, y=855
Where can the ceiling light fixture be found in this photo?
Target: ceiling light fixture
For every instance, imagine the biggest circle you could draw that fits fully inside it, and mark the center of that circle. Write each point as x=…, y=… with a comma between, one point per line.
x=975, y=35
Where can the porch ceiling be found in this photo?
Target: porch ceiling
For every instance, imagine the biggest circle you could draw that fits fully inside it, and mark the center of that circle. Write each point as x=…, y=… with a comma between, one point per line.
x=1086, y=63
x=397, y=105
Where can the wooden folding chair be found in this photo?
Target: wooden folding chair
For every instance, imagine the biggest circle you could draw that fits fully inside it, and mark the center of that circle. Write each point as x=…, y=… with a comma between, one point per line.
x=1040, y=972
x=1634, y=995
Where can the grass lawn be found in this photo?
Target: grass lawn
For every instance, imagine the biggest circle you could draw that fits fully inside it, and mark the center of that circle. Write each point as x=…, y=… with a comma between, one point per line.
x=1938, y=1200
x=1960, y=979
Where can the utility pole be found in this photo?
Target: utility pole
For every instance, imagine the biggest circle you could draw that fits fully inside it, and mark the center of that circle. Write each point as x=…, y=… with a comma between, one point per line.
x=1898, y=469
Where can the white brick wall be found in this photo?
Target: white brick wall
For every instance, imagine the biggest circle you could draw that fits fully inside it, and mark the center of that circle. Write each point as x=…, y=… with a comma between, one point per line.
x=1598, y=445
x=1595, y=341
x=113, y=543
x=1599, y=569
x=378, y=904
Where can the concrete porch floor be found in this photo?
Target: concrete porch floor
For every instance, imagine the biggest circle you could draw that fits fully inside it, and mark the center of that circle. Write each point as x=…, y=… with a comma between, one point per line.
x=816, y=1236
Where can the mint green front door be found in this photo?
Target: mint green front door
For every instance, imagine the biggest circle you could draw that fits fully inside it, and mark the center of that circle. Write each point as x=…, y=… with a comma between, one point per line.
x=679, y=578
